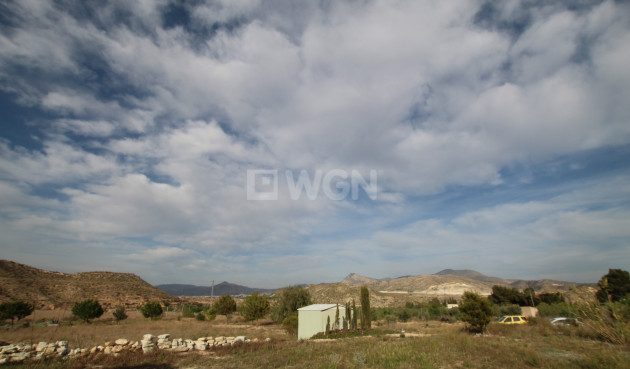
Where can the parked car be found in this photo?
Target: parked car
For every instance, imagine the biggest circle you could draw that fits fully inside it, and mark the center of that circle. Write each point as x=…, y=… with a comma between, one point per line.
x=513, y=319
x=564, y=321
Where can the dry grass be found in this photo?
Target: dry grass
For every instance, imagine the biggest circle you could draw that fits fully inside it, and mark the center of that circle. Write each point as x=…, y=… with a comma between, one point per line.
x=427, y=345
x=80, y=334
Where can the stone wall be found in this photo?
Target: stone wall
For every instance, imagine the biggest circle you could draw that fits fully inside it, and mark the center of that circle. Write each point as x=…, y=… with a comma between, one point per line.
x=149, y=343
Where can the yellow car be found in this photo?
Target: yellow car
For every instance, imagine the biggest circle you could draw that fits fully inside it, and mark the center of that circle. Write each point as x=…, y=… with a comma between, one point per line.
x=513, y=319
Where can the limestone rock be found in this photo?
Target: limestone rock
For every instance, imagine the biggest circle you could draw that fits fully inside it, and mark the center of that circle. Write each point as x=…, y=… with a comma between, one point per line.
x=121, y=342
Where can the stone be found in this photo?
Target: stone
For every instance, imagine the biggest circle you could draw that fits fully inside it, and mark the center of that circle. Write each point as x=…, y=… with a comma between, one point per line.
x=165, y=337
x=93, y=350
x=116, y=349
x=108, y=344
x=240, y=339
x=41, y=346
x=100, y=348
x=148, y=349
x=19, y=357
x=62, y=343
x=148, y=337
x=62, y=350
x=121, y=342
x=267, y=339
x=108, y=350
x=219, y=339
x=201, y=346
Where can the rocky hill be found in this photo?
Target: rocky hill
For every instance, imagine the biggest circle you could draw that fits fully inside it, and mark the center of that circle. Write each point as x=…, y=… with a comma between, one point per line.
x=48, y=289
x=541, y=285
x=223, y=288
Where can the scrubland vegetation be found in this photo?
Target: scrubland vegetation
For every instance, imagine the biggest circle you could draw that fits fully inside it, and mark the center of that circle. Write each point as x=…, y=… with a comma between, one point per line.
x=417, y=335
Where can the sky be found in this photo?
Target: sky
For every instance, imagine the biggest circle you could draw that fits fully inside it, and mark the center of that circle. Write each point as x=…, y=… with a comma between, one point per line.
x=138, y=136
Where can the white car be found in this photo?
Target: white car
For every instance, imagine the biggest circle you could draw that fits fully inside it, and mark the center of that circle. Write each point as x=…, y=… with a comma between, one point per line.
x=564, y=321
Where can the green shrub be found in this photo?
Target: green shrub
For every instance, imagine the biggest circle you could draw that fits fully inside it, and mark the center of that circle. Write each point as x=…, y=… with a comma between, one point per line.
x=290, y=325
x=225, y=305
x=500, y=310
x=200, y=316
x=289, y=300
x=255, y=306
x=87, y=309
x=120, y=314
x=152, y=310
x=476, y=311
x=15, y=310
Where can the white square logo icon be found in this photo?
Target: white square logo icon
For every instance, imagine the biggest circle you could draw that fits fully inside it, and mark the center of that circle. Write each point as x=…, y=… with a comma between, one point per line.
x=262, y=184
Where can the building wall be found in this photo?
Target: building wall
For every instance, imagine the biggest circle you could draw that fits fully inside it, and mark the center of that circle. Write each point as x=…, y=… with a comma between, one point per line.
x=312, y=322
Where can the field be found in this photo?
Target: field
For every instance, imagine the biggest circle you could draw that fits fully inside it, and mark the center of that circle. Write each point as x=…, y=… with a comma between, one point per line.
x=426, y=344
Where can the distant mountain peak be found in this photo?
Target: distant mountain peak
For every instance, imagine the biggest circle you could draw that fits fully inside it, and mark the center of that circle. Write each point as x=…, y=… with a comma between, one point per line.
x=354, y=278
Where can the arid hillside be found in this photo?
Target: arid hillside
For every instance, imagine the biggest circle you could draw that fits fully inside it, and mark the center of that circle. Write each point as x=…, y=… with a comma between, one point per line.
x=50, y=290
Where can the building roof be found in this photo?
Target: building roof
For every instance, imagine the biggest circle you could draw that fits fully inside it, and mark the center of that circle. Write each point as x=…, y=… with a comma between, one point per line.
x=320, y=307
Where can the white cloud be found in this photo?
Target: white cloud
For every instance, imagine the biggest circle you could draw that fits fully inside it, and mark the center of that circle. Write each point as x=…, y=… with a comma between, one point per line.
x=169, y=122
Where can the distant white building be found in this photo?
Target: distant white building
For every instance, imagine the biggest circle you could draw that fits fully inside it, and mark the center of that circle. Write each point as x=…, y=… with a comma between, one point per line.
x=312, y=319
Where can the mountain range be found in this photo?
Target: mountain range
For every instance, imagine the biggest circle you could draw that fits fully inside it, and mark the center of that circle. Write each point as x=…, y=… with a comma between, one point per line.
x=223, y=288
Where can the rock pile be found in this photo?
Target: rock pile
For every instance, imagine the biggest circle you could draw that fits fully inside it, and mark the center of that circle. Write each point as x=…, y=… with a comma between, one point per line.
x=16, y=353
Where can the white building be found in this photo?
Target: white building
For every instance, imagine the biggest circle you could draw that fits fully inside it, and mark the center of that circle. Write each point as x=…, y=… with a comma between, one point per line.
x=312, y=319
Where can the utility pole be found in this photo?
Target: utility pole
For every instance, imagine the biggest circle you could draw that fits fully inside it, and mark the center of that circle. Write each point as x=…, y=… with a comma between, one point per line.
x=212, y=289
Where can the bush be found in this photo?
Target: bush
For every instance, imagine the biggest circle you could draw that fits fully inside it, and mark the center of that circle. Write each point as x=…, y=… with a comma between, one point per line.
x=255, y=306
x=87, y=309
x=225, y=305
x=120, y=314
x=151, y=310
x=290, y=325
x=200, y=317
x=15, y=310
x=476, y=311
x=290, y=299
x=555, y=309
x=500, y=310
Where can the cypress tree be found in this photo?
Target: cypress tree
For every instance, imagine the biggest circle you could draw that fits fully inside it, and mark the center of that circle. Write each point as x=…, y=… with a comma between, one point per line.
x=354, y=315
x=366, y=313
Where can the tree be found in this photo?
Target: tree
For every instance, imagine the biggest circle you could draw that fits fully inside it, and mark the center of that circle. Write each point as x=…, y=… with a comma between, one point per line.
x=347, y=322
x=152, y=310
x=255, y=306
x=366, y=312
x=507, y=295
x=613, y=286
x=87, y=309
x=336, y=324
x=354, y=315
x=476, y=311
x=15, y=310
x=225, y=305
x=120, y=314
x=290, y=299
x=327, y=325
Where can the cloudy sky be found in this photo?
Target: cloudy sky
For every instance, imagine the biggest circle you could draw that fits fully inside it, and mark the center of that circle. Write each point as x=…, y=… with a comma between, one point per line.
x=498, y=134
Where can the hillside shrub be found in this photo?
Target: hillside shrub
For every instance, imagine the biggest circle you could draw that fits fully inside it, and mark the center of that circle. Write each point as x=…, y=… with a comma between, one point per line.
x=152, y=310
x=290, y=325
x=225, y=305
x=15, y=310
x=87, y=309
x=119, y=314
x=254, y=307
x=476, y=311
x=556, y=309
x=200, y=316
x=289, y=300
